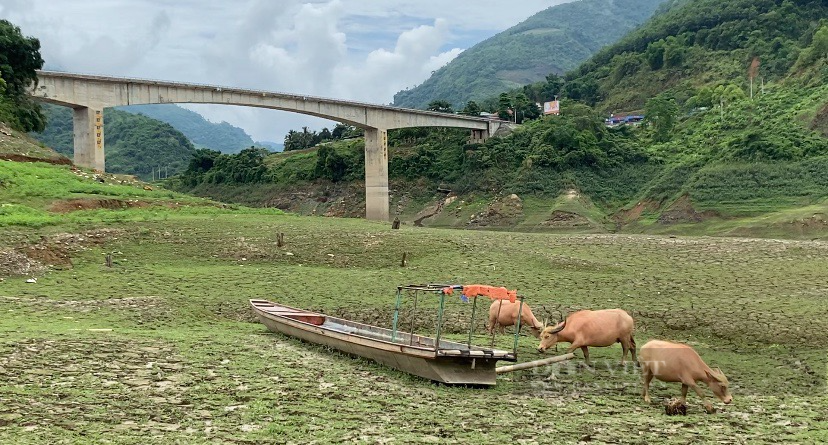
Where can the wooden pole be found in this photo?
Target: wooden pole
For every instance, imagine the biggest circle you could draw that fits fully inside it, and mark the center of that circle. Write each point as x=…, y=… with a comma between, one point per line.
x=534, y=364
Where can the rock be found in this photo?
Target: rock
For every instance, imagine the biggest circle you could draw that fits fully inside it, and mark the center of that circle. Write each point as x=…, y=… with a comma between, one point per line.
x=6, y=419
x=232, y=408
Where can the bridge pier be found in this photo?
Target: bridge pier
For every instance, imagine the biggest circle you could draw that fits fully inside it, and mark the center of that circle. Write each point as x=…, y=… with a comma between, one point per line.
x=478, y=136
x=89, y=138
x=376, y=174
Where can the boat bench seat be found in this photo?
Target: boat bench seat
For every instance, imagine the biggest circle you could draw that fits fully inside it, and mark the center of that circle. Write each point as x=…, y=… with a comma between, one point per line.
x=305, y=317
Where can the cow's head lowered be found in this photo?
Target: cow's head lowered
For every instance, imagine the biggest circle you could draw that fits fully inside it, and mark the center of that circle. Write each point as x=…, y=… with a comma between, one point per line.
x=535, y=331
x=549, y=336
x=718, y=383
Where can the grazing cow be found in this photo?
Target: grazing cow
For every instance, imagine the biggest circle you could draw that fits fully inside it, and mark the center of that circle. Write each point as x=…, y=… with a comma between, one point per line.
x=592, y=328
x=677, y=362
x=506, y=315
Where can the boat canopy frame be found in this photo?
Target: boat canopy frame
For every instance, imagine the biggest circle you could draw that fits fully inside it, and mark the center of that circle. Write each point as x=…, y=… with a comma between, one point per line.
x=466, y=291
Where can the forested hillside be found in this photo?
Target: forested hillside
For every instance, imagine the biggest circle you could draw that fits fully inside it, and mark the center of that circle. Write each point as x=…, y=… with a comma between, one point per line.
x=222, y=136
x=555, y=40
x=736, y=102
x=134, y=144
x=703, y=43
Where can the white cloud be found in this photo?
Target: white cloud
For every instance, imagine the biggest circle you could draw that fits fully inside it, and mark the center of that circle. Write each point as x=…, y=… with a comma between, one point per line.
x=364, y=50
x=385, y=72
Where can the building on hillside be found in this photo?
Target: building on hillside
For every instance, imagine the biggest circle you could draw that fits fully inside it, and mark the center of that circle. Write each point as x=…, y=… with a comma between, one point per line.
x=623, y=119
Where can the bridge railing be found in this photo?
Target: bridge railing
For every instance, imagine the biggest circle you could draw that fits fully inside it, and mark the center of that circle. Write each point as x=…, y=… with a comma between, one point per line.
x=221, y=88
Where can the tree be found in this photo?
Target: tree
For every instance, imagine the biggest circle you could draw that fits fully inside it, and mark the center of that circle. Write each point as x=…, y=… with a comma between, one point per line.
x=819, y=45
x=626, y=65
x=291, y=141
x=203, y=160
x=325, y=134
x=585, y=90
x=703, y=98
x=655, y=55
x=440, y=106
x=338, y=130
x=19, y=58
x=330, y=164
x=296, y=140
x=307, y=138
x=471, y=109
x=553, y=87
x=525, y=109
x=342, y=131
x=504, y=107
x=661, y=112
x=817, y=50
x=673, y=53
x=725, y=94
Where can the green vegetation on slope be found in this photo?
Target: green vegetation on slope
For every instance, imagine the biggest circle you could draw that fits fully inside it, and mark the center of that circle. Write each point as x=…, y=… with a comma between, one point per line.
x=554, y=40
x=703, y=43
x=735, y=98
x=204, y=134
x=135, y=144
x=35, y=195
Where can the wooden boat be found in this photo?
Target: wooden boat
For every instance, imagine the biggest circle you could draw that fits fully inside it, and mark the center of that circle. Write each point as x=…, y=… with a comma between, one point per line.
x=443, y=361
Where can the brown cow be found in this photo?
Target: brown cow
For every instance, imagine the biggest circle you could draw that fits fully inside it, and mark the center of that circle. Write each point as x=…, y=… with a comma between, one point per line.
x=508, y=316
x=677, y=362
x=592, y=328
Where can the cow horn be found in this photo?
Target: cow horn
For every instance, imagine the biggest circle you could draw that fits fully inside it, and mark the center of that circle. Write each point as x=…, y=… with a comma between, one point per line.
x=559, y=328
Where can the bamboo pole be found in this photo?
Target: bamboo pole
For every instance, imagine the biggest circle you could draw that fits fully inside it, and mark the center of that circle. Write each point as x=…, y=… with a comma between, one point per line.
x=534, y=364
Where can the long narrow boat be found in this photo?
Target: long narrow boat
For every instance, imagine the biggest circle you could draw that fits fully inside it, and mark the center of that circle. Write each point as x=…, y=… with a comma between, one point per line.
x=441, y=360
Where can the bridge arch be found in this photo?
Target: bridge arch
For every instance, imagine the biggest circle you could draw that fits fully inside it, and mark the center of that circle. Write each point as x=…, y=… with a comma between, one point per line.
x=89, y=95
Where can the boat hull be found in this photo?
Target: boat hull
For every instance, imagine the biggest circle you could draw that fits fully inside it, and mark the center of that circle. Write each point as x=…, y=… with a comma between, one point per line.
x=441, y=365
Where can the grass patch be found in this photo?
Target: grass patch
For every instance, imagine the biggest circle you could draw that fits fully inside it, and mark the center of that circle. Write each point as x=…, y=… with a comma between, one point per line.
x=161, y=346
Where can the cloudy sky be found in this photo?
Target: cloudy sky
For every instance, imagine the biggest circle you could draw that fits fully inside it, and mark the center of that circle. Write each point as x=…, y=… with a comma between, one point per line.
x=364, y=50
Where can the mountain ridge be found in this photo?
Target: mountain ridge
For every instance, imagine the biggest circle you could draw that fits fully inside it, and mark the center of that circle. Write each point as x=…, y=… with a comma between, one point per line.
x=554, y=40
x=221, y=136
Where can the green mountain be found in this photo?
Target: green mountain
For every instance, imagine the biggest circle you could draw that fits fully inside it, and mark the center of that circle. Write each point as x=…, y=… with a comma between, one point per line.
x=223, y=137
x=135, y=144
x=555, y=40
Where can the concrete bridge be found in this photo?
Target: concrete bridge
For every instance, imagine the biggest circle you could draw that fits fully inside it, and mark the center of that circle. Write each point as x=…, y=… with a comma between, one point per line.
x=89, y=95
